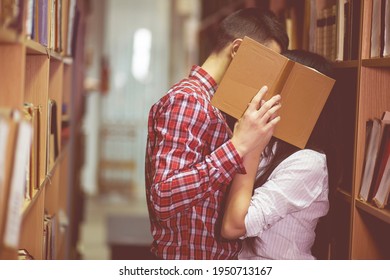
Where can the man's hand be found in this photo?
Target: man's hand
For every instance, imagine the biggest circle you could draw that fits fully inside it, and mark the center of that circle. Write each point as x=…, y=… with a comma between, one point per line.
x=255, y=128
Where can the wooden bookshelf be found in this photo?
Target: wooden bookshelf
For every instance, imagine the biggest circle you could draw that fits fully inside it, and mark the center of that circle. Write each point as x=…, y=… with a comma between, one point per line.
x=31, y=72
x=360, y=230
x=368, y=222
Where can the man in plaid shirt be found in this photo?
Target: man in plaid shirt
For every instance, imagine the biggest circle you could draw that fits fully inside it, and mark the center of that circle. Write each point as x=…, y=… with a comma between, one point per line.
x=192, y=155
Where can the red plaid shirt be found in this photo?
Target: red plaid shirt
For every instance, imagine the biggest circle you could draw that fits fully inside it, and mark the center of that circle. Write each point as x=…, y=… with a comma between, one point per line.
x=190, y=161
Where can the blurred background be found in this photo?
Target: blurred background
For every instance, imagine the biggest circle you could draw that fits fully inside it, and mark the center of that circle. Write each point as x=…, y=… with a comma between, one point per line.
x=134, y=51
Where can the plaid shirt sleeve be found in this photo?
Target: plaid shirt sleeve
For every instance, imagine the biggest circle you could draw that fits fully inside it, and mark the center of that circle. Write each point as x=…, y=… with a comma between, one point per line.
x=182, y=174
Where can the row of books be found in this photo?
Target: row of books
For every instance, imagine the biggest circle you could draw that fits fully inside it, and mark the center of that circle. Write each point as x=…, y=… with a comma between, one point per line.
x=375, y=184
x=52, y=23
x=20, y=163
x=334, y=30
x=380, y=29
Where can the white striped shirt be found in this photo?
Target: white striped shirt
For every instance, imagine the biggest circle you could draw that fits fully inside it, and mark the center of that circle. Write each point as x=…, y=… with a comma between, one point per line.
x=284, y=212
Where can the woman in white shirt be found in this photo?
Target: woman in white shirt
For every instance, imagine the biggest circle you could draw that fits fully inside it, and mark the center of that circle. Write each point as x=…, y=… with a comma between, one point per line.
x=275, y=207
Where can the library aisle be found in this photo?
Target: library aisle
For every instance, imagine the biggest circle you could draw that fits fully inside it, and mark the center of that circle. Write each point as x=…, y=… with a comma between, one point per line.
x=93, y=244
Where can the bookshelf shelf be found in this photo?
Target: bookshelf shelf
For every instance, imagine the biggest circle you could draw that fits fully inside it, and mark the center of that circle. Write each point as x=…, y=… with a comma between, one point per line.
x=382, y=214
x=343, y=195
x=56, y=55
x=376, y=62
x=346, y=64
x=35, y=48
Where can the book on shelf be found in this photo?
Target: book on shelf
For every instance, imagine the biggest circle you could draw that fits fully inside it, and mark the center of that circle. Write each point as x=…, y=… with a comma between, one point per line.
x=354, y=29
x=65, y=10
x=381, y=186
x=49, y=237
x=43, y=26
x=58, y=26
x=74, y=18
x=386, y=35
x=347, y=30
x=320, y=30
x=17, y=183
x=52, y=24
x=32, y=113
x=304, y=90
x=382, y=195
x=52, y=136
x=375, y=47
x=340, y=30
x=373, y=142
x=8, y=130
x=30, y=18
x=331, y=29
x=331, y=33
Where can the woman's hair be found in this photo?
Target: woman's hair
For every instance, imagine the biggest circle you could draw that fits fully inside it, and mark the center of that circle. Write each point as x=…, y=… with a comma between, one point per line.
x=260, y=25
x=324, y=135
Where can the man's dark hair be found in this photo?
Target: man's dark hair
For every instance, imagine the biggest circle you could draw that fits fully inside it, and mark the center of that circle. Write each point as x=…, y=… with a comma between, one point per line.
x=260, y=25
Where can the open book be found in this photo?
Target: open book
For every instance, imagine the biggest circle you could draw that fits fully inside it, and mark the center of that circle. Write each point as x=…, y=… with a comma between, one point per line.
x=304, y=90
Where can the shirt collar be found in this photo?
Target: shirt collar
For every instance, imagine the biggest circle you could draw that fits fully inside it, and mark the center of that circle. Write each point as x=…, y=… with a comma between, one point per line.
x=207, y=81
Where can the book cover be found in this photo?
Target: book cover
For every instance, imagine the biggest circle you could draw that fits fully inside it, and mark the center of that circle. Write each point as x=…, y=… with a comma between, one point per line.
x=72, y=27
x=8, y=135
x=43, y=6
x=17, y=184
x=64, y=31
x=29, y=21
x=386, y=47
x=382, y=195
x=355, y=28
x=340, y=30
x=371, y=155
x=304, y=90
x=52, y=136
x=347, y=30
x=34, y=114
x=382, y=160
x=376, y=29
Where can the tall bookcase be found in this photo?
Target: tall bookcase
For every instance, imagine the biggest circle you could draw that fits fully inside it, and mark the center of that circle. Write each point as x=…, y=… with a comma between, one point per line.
x=358, y=230
x=32, y=72
x=370, y=225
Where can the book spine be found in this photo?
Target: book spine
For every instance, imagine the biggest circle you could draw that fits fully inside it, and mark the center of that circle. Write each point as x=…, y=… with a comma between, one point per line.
x=386, y=47
x=277, y=88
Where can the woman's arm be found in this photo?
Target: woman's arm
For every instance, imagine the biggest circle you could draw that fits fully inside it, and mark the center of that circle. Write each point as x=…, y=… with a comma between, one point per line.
x=239, y=197
x=240, y=193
